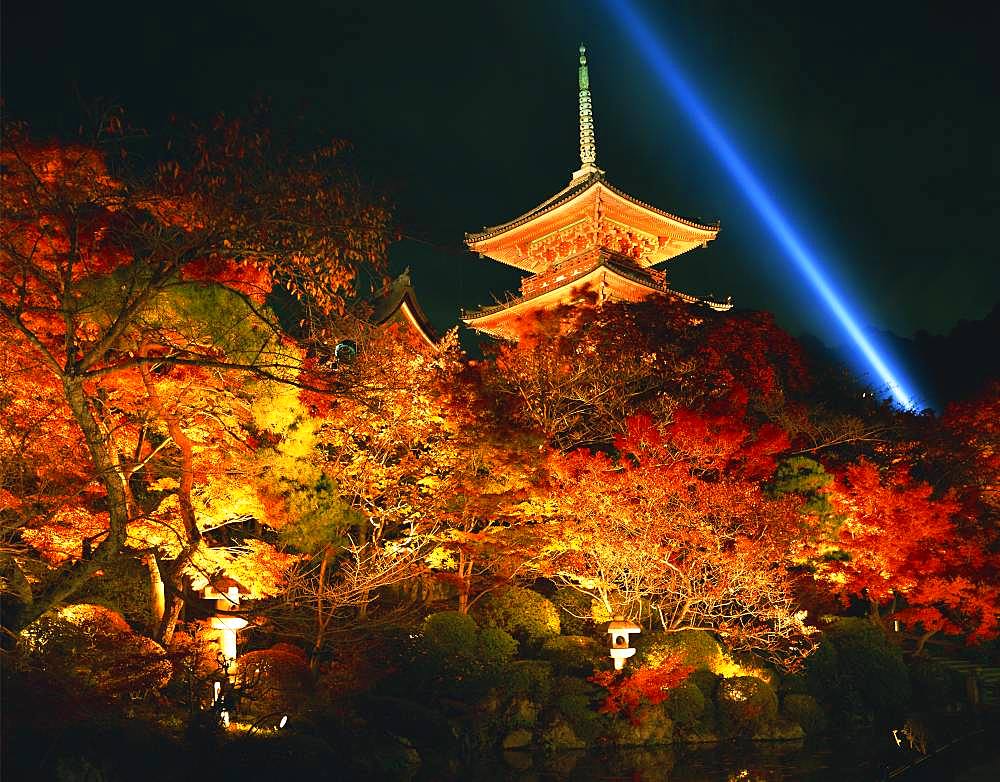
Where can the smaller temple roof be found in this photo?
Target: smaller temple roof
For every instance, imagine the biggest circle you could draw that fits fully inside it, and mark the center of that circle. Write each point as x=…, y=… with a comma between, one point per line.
x=398, y=304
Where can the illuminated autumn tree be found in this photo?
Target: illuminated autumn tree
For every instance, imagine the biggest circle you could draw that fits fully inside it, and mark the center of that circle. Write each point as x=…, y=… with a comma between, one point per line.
x=675, y=526
x=644, y=685
x=577, y=373
x=482, y=531
x=960, y=452
x=95, y=267
x=362, y=480
x=898, y=547
x=422, y=463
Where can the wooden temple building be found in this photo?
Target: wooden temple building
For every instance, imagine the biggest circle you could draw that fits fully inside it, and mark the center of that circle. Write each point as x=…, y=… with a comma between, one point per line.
x=588, y=241
x=397, y=305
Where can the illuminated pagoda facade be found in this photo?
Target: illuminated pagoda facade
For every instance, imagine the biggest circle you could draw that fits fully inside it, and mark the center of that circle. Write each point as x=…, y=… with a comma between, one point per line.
x=590, y=240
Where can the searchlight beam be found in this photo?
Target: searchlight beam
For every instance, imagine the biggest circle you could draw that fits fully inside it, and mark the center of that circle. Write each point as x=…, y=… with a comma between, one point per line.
x=760, y=199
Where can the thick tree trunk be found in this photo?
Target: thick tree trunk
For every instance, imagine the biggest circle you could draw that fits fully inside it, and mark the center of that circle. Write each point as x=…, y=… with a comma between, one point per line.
x=66, y=580
x=157, y=595
x=184, y=445
x=184, y=489
x=169, y=622
x=874, y=613
x=922, y=641
x=175, y=598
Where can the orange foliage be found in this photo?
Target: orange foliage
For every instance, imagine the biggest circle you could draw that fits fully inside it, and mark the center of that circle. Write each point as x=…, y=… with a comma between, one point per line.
x=576, y=374
x=645, y=684
x=134, y=325
x=677, y=525
x=898, y=542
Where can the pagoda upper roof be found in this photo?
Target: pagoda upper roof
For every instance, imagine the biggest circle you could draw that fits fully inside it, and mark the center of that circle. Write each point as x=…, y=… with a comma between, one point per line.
x=592, y=206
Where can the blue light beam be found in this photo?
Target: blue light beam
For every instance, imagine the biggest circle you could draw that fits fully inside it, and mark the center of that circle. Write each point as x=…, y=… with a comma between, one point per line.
x=758, y=196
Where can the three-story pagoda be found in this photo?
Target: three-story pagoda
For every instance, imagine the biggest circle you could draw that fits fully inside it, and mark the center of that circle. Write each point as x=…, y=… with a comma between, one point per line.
x=588, y=241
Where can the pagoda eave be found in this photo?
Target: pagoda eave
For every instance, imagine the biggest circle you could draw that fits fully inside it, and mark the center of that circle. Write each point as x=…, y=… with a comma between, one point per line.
x=606, y=278
x=590, y=214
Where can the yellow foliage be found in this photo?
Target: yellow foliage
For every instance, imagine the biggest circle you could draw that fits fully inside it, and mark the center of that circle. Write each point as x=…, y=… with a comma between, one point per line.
x=442, y=558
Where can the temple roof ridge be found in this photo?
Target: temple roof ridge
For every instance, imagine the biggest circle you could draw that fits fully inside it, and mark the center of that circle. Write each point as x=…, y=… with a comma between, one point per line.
x=398, y=299
x=607, y=275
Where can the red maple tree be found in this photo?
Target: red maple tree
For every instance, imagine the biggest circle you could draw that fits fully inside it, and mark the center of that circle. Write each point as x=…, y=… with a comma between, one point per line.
x=676, y=525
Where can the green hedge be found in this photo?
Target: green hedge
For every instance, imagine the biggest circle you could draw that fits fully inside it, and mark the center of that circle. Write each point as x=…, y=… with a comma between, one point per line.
x=530, y=677
x=686, y=704
x=697, y=647
x=573, y=653
x=746, y=705
x=706, y=681
x=453, y=657
x=859, y=673
x=525, y=614
x=806, y=711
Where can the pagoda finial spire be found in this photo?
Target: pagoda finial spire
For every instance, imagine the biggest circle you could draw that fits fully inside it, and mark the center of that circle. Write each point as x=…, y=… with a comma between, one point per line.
x=588, y=145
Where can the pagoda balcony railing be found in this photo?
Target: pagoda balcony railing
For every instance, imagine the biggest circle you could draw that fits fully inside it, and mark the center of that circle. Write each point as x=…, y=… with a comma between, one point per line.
x=577, y=267
x=571, y=270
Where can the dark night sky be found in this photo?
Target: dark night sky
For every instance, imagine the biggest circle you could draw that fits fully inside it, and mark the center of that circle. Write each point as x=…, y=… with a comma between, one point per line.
x=878, y=124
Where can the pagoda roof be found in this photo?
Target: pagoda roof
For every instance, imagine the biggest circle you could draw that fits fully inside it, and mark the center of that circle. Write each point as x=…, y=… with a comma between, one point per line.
x=398, y=304
x=590, y=196
x=617, y=278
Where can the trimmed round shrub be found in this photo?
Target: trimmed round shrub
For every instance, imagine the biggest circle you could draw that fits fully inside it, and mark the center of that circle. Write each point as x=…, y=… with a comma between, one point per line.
x=746, y=705
x=698, y=648
x=275, y=680
x=575, y=685
x=496, y=648
x=450, y=632
x=525, y=614
x=95, y=648
x=744, y=663
x=454, y=657
x=804, y=710
x=572, y=653
x=576, y=613
x=859, y=672
x=706, y=681
x=685, y=704
x=530, y=677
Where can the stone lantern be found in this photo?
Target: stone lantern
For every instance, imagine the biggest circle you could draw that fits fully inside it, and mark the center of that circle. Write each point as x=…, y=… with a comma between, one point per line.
x=620, y=630
x=226, y=594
